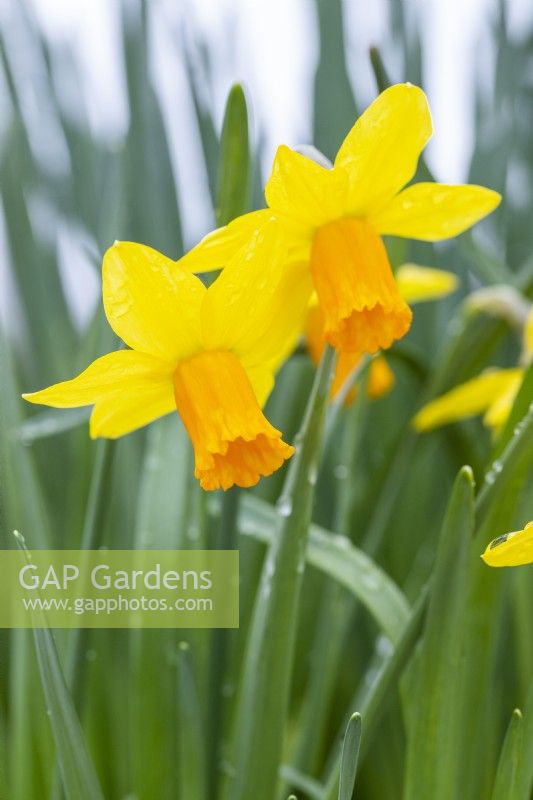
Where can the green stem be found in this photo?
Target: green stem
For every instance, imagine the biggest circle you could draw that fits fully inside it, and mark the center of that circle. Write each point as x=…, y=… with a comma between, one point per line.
x=76, y=663
x=336, y=610
x=373, y=703
x=91, y=540
x=259, y=723
x=225, y=540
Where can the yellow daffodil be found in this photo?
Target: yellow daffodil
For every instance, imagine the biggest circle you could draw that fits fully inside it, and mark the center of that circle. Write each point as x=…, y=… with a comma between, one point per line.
x=209, y=353
x=416, y=284
x=492, y=393
x=511, y=550
x=333, y=219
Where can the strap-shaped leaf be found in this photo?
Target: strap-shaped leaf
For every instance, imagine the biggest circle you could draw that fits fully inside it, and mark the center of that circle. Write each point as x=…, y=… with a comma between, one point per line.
x=338, y=558
x=234, y=167
x=349, y=757
x=433, y=743
x=77, y=771
x=505, y=784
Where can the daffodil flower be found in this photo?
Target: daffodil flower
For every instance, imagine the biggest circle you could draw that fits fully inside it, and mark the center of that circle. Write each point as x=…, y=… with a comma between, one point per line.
x=416, y=284
x=492, y=393
x=209, y=353
x=511, y=550
x=333, y=219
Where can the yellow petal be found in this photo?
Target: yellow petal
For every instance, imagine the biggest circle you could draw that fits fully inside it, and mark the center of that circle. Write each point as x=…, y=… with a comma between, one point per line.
x=128, y=390
x=467, y=400
x=152, y=304
x=233, y=441
x=418, y=284
x=363, y=310
x=262, y=380
x=511, y=550
x=498, y=412
x=304, y=194
x=381, y=151
x=257, y=305
x=116, y=416
x=218, y=247
x=434, y=211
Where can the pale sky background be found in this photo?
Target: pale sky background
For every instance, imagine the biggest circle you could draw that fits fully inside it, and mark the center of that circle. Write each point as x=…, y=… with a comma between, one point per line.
x=271, y=47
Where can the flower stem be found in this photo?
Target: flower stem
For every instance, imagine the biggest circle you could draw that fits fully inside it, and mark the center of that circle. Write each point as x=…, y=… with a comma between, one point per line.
x=256, y=743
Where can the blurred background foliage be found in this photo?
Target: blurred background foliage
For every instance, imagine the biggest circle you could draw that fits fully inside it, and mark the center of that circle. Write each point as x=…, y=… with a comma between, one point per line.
x=156, y=706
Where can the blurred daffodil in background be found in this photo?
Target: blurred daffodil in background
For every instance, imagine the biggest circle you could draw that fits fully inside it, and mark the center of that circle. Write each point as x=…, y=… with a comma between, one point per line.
x=511, y=550
x=416, y=284
x=492, y=393
x=209, y=353
x=333, y=219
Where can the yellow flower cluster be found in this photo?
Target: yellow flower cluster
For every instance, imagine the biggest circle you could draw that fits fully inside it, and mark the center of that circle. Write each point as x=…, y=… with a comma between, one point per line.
x=312, y=260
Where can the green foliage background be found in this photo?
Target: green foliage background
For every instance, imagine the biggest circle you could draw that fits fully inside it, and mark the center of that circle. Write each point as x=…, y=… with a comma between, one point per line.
x=395, y=616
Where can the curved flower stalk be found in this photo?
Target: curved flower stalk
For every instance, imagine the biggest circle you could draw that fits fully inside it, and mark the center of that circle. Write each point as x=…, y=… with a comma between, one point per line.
x=209, y=353
x=492, y=393
x=333, y=219
x=511, y=550
x=416, y=284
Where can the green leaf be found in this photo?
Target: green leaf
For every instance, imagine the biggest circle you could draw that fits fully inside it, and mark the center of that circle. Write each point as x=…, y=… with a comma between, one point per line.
x=164, y=511
x=153, y=213
x=349, y=757
x=338, y=558
x=383, y=80
x=510, y=758
x=77, y=771
x=22, y=498
x=377, y=693
x=192, y=772
x=524, y=778
x=334, y=112
x=234, y=167
x=496, y=508
x=28, y=728
x=196, y=62
x=507, y=473
x=311, y=788
x=50, y=423
x=164, y=519
x=3, y=755
x=433, y=742
x=92, y=539
x=259, y=722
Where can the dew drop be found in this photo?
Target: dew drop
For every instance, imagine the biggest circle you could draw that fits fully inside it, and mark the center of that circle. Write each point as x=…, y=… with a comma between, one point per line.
x=341, y=472
x=342, y=541
x=284, y=506
x=371, y=582
x=384, y=646
x=193, y=532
